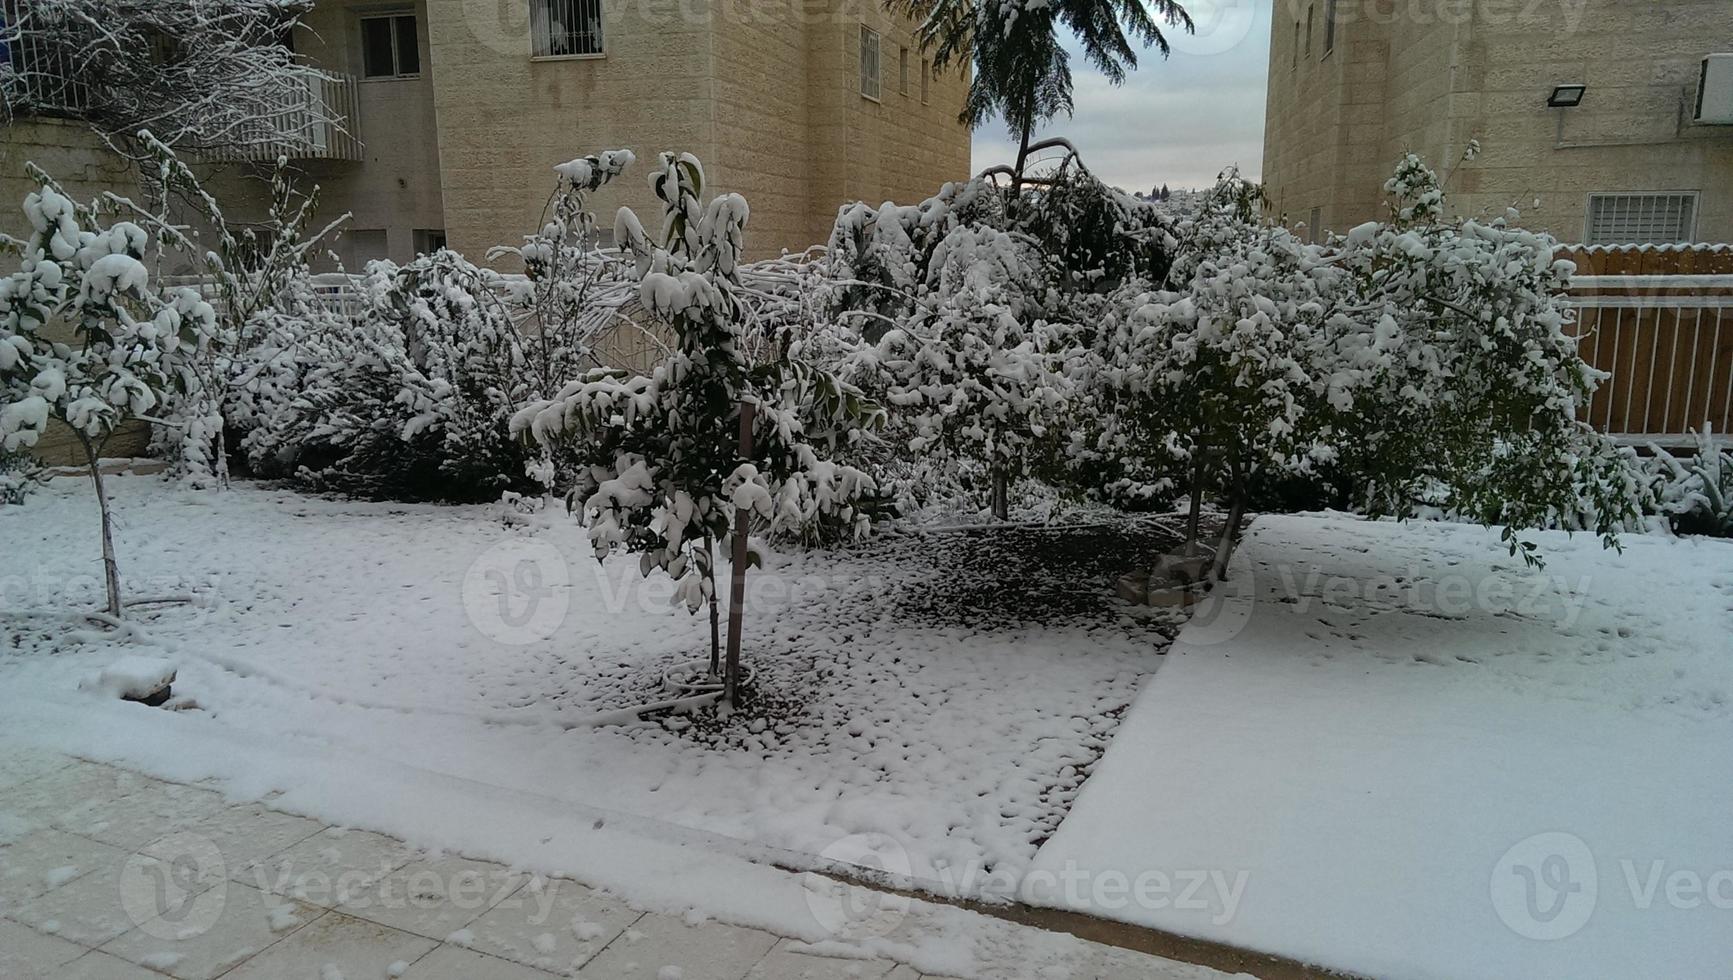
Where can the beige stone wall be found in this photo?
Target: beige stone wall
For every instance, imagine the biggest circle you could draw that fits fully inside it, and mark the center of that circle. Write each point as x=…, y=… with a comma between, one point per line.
x=394, y=190
x=1427, y=77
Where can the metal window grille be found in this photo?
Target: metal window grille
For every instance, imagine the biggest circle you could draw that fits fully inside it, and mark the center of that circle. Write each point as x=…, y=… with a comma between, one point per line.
x=37, y=74
x=564, y=28
x=869, y=62
x=1640, y=219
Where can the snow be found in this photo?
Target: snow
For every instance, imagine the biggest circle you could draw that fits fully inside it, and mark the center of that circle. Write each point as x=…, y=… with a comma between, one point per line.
x=60, y=876
x=919, y=695
x=133, y=677
x=1384, y=728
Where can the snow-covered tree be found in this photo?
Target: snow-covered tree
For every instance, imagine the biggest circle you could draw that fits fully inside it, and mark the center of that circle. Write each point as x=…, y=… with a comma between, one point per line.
x=1463, y=372
x=200, y=74
x=84, y=340
x=978, y=372
x=251, y=272
x=1021, y=71
x=662, y=468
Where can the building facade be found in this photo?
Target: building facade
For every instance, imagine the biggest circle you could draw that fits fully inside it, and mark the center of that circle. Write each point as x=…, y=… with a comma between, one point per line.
x=1586, y=112
x=456, y=112
x=465, y=106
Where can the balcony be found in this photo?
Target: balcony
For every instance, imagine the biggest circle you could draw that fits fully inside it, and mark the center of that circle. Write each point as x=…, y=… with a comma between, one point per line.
x=319, y=122
x=46, y=70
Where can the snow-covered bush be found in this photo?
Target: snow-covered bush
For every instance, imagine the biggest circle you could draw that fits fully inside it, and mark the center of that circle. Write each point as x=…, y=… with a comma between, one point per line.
x=410, y=399
x=1462, y=373
x=1414, y=359
x=1695, y=495
x=19, y=474
x=84, y=340
x=978, y=372
x=661, y=469
x=254, y=274
x=979, y=314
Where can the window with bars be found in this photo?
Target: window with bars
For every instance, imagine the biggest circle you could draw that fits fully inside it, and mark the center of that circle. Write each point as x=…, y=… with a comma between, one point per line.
x=389, y=48
x=1641, y=219
x=566, y=28
x=869, y=62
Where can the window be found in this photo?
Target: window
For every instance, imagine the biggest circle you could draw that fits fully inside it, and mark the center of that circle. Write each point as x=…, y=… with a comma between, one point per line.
x=1296, y=63
x=926, y=78
x=565, y=28
x=389, y=48
x=429, y=240
x=903, y=70
x=869, y=62
x=1329, y=26
x=1641, y=219
x=1310, y=10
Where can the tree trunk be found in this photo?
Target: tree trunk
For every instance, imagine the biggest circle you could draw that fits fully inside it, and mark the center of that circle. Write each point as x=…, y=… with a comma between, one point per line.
x=1195, y=513
x=715, y=610
x=737, y=589
x=1022, y=157
x=110, y=568
x=1231, y=531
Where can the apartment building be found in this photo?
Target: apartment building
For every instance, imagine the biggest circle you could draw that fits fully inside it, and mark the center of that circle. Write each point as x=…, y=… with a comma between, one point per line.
x=1603, y=121
x=456, y=112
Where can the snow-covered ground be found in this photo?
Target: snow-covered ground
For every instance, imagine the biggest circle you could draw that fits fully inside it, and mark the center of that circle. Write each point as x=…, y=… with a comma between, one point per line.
x=947, y=692
x=1393, y=750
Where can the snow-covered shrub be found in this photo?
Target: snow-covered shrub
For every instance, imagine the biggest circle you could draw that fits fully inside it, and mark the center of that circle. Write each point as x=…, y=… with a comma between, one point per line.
x=978, y=373
x=567, y=274
x=19, y=474
x=1462, y=373
x=1415, y=359
x=1695, y=495
x=979, y=314
x=83, y=339
x=660, y=467
x=410, y=399
x=254, y=274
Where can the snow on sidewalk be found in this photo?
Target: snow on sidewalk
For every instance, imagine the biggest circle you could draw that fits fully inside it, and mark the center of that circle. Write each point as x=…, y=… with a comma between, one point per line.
x=1391, y=749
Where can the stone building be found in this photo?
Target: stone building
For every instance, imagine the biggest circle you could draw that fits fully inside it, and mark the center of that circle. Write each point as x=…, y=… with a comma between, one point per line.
x=458, y=111
x=1603, y=121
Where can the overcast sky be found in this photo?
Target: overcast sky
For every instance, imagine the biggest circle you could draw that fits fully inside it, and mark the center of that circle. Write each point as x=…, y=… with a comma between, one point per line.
x=1178, y=121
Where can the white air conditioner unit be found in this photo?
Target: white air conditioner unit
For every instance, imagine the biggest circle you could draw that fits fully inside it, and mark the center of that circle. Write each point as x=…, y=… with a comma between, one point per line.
x=1715, y=91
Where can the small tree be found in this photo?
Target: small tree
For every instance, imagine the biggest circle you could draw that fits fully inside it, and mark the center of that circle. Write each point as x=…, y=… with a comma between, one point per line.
x=670, y=464
x=120, y=345
x=977, y=372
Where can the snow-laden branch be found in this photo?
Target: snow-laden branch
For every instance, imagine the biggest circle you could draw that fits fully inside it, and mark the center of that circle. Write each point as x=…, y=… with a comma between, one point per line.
x=199, y=74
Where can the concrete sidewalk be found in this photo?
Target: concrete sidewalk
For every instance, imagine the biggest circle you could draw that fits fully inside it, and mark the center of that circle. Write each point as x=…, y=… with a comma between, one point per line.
x=106, y=874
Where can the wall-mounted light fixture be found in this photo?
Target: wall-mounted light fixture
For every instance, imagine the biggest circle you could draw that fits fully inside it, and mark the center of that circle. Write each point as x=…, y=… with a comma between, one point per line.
x=1566, y=96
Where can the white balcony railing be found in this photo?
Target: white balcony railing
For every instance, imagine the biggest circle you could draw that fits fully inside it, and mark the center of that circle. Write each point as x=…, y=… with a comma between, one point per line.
x=317, y=123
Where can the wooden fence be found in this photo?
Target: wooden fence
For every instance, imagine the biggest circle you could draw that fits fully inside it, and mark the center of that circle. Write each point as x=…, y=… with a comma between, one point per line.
x=1660, y=321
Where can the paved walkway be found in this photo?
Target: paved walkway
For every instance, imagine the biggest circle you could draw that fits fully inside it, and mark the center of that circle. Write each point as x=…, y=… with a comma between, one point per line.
x=109, y=875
